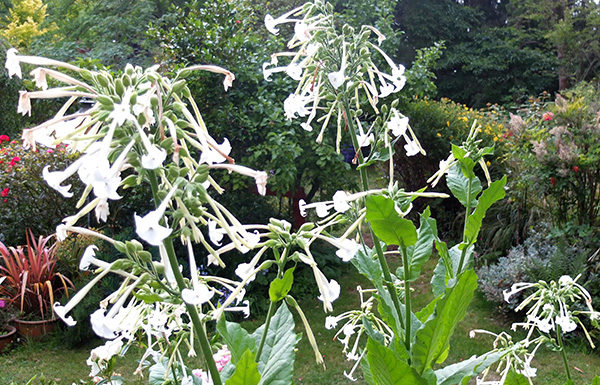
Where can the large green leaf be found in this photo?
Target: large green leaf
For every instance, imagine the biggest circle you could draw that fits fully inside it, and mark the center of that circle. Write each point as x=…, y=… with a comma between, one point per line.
x=237, y=338
x=421, y=251
x=387, y=369
x=433, y=338
x=246, y=371
x=387, y=224
x=367, y=264
x=596, y=381
x=280, y=287
x=456, y=373
x=514, y=378
x=458, y=183
x=276, y=362
x=491, y=195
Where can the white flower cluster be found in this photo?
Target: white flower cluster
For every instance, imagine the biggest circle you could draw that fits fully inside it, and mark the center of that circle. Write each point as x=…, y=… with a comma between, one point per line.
x=552, y=306
x=326, y=66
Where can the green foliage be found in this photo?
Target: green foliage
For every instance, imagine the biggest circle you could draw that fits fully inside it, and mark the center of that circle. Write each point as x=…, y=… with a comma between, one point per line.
x=24, y=23
x=553, y=151
x=27, y=201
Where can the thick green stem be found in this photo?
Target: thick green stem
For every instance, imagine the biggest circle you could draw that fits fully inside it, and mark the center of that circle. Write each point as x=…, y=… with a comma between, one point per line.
x=264, y=336
x=365, y=186
x=407, y=304
x=562, y=351
x=192, y=311
x=465, y=240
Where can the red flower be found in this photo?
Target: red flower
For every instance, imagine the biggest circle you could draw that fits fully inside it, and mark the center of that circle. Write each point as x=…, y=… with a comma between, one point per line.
x=4, y=192
x=14, y=160
x=4, y=138
x=238, y=21
x=575, y=168
x=548, y=116
x=553, y=181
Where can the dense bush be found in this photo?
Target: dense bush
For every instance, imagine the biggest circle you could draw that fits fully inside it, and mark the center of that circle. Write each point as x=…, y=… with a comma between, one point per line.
x=437, y=124
x=26, y=200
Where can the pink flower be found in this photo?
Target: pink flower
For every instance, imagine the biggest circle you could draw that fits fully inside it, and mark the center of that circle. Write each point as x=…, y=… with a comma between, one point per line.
x=548, y=116
x=4, y=138
x=2, y=303
x=4, y=192
x=49, y=151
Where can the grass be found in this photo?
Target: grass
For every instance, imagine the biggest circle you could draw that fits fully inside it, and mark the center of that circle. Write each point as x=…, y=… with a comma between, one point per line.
x=66, y=366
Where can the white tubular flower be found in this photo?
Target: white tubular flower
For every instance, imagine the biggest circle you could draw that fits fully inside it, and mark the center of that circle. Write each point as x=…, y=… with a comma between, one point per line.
x=331, y=322
x=337, y=78
x=347, y=250
x=201, y=293
x=260, y=177
x=330, y=290
x=212, y=156
x=398, y=125
x=62, y=311
x=444, y=168
x=295, y=105
x=271, y=22
x=89, y=258
x=100, y=356
x=102, y=210
x=340, y=201
x=149, y=228
x=293, y=70
x=215, y=235
x=229, y=76
x=154, y=156
x=24, y=106
x=412, y=148
x=55, y=178
x=12, y=63
x=245, y=308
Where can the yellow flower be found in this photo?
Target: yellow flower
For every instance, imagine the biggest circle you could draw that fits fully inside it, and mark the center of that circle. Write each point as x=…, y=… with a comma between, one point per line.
x=448, y=123
x=488, y=163
x=438, y=134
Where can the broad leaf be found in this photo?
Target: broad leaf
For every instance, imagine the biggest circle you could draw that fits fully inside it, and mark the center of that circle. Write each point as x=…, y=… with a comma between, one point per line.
x=246, y=371
x=387, y=224
x=276, y=363
x=596, y=381
x=491, y=195
x=458, y=183
x=368, y=265
x=280, y=287
x=455, y=373
x=433, y=338
x=238, y=340
x=387, y=369
x=421, y=251
x=514, y=378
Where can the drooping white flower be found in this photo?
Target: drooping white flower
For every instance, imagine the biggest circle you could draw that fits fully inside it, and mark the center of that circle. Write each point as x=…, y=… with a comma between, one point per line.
x=271, y=22
x=244, y=271
x=337, y=78
x=212, y=156
x=154, y=158
x=347, y=250
x=102, y=210
x=215, y=235
x=260, y=177
x=330, y=290
x=412, y=148
x=566, y=323
x=24, y=106
x=89, y=258
x=12, y=63
x=149, y=228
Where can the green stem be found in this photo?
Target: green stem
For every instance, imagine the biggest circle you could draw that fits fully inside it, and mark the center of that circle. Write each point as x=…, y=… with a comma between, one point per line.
x=365, y=186
x=192, y=311
x=264, y=336
x=465, y=240
x=407, y=304
x=562, y=351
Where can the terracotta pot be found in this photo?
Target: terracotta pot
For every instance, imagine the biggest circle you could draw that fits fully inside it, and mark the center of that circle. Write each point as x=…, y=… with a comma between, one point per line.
x=35, y=329
x=7, y=338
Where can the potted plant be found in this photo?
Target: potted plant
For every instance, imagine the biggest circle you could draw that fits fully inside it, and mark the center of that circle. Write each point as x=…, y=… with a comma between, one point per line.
x=30, y=282
x=7, y=332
